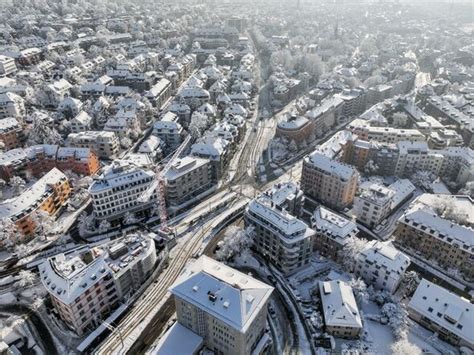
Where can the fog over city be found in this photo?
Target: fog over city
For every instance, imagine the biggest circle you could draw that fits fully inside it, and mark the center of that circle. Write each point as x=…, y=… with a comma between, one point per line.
x=240, y=177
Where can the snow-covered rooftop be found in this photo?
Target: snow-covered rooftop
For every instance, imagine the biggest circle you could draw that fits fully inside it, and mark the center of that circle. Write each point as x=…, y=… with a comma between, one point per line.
x=225, y=293
x=120, y=173
x=334, y=225
x=178, y=340
x=423, y=217
x=30, y=199
x=445, y=309
x=69, y=275
x=339, y=305
x=331, y=166
x=384, y=254
x=182, y=166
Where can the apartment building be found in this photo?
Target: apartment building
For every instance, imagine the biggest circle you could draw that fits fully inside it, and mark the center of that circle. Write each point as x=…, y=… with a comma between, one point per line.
x=186, y=179
x=341, y=314
x=104, y=144
x=423, y=232
x=415, y=156
x=81, y=122
x=373, y=203
x=7, y=65
x=329, y=181
x=217, y=150
x=169, y=130
x=443, y=312
x=11, y=133
x=117, y=190
x=11, y=105
x=82, y=161
x=326, y=114
x=295, y=128
x=366, y=131
x=333, y=232
x=279, y=236
x=38, y=159
x=159, y=93
x=86, y=285
x=48, y=194
x=458, y=164
x=381, y=265
x=226, y=308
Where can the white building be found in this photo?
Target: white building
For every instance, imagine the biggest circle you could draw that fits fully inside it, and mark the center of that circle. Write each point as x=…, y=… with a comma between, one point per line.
x=372, y=203
x=116, y=191
x=279, y=236
x=186, y=179
x=169, y=130
x=381, y=265
x=7, y=65
x=81, y=122
x=341, y=314
x=333, y=232
x=415, y=156
x=56, y=92
x=11, y=105
x=225, y=307
x=104, y=144
x=443, y=312
x=86, y=285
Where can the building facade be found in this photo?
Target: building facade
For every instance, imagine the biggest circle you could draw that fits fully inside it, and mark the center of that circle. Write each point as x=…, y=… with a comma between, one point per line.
x=329, y=181
x=227, y=308
x=381, y=265
x=279, y=236
x=86, y=286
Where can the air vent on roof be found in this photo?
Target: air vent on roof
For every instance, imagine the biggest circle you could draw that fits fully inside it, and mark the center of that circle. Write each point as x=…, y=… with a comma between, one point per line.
x=250, y=298
x=93, y=277
x=226, y=304
x=212, y=297
x=195, y=288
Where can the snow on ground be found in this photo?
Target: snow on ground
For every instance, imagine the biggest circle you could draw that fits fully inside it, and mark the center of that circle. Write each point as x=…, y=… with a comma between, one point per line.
x=377, y=338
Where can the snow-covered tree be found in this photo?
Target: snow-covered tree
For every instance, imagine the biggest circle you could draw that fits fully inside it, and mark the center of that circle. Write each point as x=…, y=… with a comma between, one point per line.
x=26, y=279
x=104, y=226
x=40, y=133
x=129, y=218
x=397, y=319
x=423, y=179
x=85, y=224
x=236, y=241
x=8, y=233
x=371, y=168
x=125, y=142
x=360, y=290
x=44, y=222
x=199, y=123
x=350, y=252
x=410, y=282
x=403, y=346
x=400, y=119
x=17, y=184
x=293, y=147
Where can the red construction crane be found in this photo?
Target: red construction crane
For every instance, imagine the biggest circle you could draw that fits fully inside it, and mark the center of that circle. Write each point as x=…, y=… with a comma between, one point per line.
x=159, y=182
